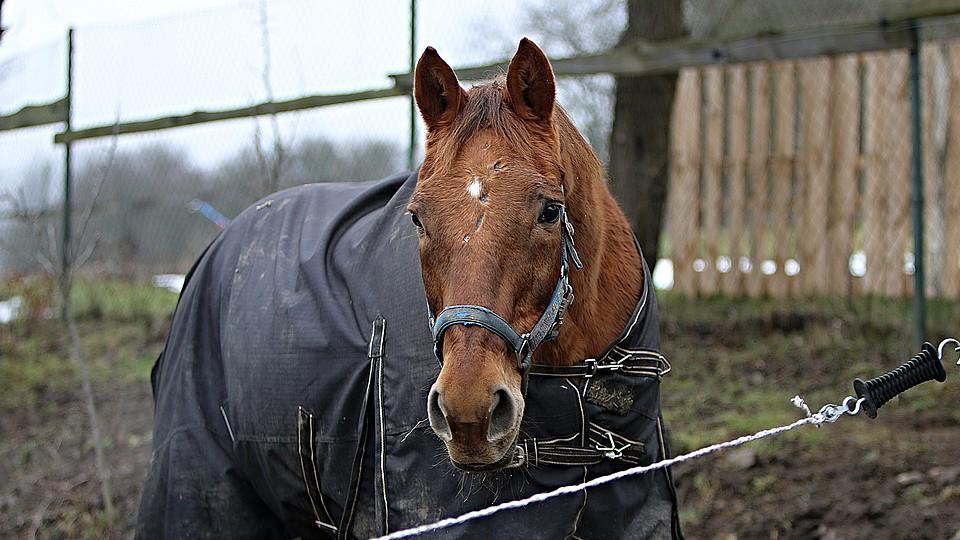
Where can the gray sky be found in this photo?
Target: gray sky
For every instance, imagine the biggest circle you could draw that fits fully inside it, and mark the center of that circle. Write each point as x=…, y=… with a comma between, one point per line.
x=140, y=59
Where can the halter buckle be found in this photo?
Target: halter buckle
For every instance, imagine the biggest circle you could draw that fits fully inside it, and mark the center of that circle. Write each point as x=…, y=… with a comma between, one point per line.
x=523, y=353
x=567, y=301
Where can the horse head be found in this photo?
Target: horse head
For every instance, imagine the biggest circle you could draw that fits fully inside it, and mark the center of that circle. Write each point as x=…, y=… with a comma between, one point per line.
x=494, y=211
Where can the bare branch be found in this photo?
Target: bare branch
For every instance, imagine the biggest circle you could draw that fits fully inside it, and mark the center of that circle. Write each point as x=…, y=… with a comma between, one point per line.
x=76, y=354
x=261, y=158
x=47, y=262
x=30, y=216
x=273, y=168
x=85, y=255
x=111, y=154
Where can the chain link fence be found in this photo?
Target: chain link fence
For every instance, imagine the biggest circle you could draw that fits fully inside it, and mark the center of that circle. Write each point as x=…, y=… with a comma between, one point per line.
x=788, y=180
x=769, y=158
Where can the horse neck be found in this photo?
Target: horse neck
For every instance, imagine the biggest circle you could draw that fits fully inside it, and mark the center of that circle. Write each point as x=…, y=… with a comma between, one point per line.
x=610, y=284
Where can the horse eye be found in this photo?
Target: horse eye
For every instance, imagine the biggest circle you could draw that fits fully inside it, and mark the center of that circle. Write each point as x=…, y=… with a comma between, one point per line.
x=550, y=213
x=416, y=221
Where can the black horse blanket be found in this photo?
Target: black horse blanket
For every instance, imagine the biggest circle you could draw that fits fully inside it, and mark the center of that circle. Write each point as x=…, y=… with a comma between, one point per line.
x=291, y=395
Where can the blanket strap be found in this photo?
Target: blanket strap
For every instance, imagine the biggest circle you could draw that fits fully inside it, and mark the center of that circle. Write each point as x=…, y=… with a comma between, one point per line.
x=603, y=445
x=639, y=362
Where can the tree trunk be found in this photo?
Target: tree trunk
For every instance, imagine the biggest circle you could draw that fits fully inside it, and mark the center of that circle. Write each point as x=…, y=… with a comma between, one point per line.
x=640, y=138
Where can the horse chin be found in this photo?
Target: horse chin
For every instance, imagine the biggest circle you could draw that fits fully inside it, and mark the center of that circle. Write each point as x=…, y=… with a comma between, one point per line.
x=477, y=467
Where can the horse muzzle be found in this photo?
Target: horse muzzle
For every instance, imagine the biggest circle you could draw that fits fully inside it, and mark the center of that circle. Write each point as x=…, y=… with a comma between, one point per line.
x=479, y=427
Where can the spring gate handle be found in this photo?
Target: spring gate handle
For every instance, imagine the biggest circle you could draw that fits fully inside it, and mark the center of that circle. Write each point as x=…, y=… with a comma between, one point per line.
x=927, y=365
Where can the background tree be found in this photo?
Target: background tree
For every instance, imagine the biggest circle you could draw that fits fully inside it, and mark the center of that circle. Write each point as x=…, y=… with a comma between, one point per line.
x=625, y=119
x=560, y=30
x=640, y=138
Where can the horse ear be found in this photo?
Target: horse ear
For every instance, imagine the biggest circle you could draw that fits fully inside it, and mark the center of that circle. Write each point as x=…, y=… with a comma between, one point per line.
x=437, y=91
x=530, y=82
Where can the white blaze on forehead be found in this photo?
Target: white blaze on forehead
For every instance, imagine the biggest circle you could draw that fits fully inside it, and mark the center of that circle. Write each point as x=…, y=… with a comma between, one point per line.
x=474, y=188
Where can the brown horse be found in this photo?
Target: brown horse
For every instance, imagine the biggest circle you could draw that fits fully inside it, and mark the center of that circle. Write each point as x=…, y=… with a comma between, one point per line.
x=502, y=163
x=289, y=394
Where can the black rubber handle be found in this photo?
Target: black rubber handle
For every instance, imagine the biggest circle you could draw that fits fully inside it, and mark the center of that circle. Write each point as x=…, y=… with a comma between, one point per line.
x=923, y=367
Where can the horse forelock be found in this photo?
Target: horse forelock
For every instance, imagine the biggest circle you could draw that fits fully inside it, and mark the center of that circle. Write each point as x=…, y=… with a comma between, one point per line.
x=487, y=109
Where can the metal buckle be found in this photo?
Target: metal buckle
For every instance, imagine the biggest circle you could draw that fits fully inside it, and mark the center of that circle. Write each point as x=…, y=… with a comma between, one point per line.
x=522, y=362
x=612, y=451
x=565, y=303
x=592, y=366
x=325, y=526
x=596, y=365
x=519, y=457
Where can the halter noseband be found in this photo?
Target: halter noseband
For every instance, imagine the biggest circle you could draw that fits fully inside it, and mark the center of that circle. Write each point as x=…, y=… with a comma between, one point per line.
x=546, y=328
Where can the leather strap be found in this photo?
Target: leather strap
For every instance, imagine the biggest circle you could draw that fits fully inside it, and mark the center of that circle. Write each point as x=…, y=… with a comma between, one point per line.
x=602, y=444
x=547, y=326
x=638, y=362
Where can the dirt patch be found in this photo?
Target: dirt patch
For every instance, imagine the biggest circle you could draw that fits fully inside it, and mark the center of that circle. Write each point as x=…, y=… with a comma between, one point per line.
x=833, y=490
x=735, y=368
x=50, y=487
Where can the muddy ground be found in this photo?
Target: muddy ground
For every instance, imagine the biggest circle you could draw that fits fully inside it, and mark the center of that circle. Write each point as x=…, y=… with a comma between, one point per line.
x=736, y=364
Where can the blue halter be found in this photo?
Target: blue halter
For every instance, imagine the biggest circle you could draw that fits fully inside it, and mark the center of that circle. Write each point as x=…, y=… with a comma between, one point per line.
x=546, y=328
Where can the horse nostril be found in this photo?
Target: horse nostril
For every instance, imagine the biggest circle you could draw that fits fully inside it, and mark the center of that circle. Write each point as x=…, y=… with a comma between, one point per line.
x=438, y=420
x=503, y=415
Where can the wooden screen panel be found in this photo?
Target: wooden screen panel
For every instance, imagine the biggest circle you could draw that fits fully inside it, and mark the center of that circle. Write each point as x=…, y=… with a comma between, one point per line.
x=844, y=140
x=712, y=171
x=782, y=164
x=814, y=169
x=732, y=282
x=759, y=169
x=684, y=197
x=951, y=232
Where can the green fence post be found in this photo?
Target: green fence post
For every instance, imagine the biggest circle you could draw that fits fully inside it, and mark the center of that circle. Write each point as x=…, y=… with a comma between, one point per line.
x=66, y=255
x=412, y=147
x=916, y=200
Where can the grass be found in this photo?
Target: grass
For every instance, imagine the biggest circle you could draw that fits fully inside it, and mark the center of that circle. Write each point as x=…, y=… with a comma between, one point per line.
x=737, y=362
x=43, y=429
x=121, y=325
x=121, y=301
x=748, y=357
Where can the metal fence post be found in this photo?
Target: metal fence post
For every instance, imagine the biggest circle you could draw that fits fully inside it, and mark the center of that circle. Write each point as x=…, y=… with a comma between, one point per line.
x=412, y=147
x=66, y=255
x=916, y=200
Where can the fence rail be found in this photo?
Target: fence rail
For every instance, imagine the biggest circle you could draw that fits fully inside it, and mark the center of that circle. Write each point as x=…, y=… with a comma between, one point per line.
x=203, y=117
x=35, y=115
x=791, y=156
x=633, y=58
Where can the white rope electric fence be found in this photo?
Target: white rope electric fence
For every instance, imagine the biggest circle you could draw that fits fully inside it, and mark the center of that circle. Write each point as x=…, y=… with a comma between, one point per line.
x=872, y=395
x=816, y=419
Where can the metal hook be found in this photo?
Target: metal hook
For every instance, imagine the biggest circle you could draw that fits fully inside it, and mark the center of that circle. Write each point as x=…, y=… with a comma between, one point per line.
x=832, y=413
x=943, y=344
x=854, y=409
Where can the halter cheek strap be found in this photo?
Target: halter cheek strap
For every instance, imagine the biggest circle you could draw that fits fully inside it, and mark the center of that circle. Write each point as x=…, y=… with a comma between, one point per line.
x=546, y=328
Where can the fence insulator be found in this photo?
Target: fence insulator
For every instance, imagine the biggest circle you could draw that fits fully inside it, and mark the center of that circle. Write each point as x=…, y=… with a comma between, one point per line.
x=925, y=366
